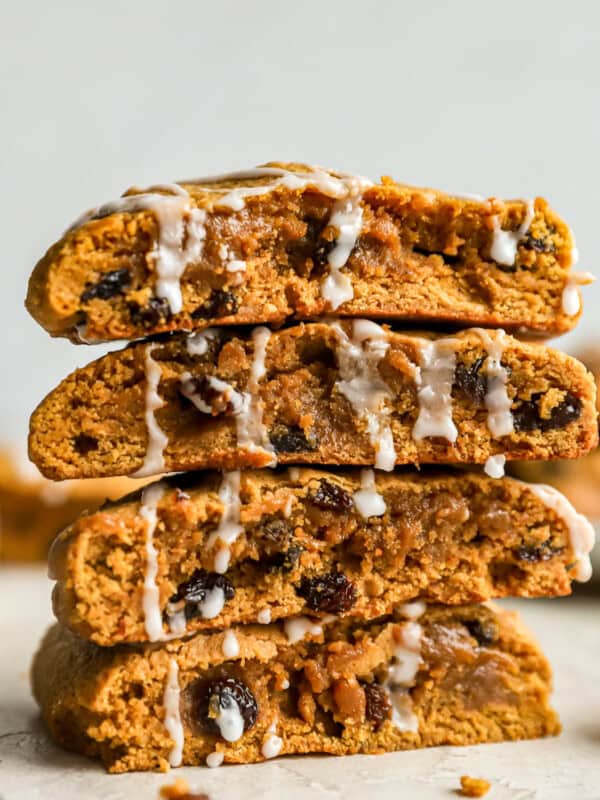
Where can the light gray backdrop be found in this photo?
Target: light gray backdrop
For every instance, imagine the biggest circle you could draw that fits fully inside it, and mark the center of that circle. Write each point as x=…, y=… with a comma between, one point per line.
x=468, y=96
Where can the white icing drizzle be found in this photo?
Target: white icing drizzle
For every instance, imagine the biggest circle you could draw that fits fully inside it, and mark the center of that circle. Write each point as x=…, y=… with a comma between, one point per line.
x=362, y=385
x=368, y=501
x=228, y=395
x=500, y=419
x=401, y=676
x=264, y=616
x=230, y=721
x=412, y=610
x=229, y=527
x=172, y=720
x=215, y=759
x=494, y=466
x=231, y=646
x=285, y=684
x=181, y=233
x=198, y=343
x=151, y=597
x=504, y=243
x=571, y=298
x=154, y=461
x=272, y=744
x=347, y=218
x=296, y=628
x=434, y=380
x=177, y=622
x=581, y=532
x=232, y=264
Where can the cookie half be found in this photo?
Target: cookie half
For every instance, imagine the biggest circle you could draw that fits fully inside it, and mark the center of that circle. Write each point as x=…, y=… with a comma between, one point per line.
x=289, y=241
x=319, y=393
x=458, y=676
x=205, y=551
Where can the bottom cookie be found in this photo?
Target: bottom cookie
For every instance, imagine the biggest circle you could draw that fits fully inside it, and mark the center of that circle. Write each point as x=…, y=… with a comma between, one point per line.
x=440, y=675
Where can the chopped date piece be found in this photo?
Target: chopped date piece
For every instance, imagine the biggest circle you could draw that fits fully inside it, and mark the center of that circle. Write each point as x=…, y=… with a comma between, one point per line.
x=109, y=285
x=469, y=381
x=332, y=497
x=379, y=705
x=527, y=416
x=219, y=304
x=157, y=310
x=485, y=633
x=193, y=592
x=331, y=593
x=224, y=695
x=290, y=440
x=277, y=530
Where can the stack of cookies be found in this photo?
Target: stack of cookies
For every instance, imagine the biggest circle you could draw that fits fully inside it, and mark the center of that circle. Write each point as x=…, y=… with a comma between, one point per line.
x=319, y=358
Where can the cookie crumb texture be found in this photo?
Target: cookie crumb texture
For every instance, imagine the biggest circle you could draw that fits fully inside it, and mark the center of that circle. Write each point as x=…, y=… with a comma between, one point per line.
x=473, y=787
x=393, y=685
x=260, y=247
x=304, y=548
x=340, y=393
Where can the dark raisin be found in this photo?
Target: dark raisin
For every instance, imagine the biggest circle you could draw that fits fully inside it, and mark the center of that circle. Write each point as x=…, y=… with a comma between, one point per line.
x=224, y=694
x=527, y=416
x=85, y=444
x=193, y=592
x=155, y=312
x=284, y=561
x=205, y=397
x=290, y=440
x=332, y=497
x=469, y=381
x=110, y=284
x=379, y=705
x=331, y=593
x=322, y=251
x=219, y=304
x=540, y=245
x=535, y=553
x=484, y=632
x=302, y=251
x=447, y=259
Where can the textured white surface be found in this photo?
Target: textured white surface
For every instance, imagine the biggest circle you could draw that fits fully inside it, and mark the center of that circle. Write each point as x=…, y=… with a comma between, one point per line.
x=568, y=767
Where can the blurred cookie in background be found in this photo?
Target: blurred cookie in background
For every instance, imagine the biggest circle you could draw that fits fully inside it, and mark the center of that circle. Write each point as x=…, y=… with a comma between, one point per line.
x=33, y=509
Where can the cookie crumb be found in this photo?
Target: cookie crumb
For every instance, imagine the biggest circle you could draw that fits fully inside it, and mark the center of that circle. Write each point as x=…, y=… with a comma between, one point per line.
x=181, y=791
x=473, y=787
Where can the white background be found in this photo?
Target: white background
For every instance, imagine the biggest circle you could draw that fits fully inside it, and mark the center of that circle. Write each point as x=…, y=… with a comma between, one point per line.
x=470, y=96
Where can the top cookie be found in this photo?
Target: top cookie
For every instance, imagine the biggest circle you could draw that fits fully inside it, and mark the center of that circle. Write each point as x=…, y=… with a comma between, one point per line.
x=288, y=241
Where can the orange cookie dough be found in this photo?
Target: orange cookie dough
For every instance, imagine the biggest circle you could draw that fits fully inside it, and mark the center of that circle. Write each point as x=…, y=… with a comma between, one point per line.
x=201, y=551
x=33, y=509
x=322, y=393
x=289, y=241
x=459, y=676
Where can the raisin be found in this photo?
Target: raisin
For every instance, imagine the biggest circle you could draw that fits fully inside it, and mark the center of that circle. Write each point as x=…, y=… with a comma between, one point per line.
x=202, y=389
x=224, y=694
x=536, y=553
x=194, y=591
x=469, y=381
x=447, y=259
x=379, y=705
x=156, y=311
x=284, y=561
x=276, y=530
x=332, y=497
x=540, y=245
x=322, y=251
x=219, y=304
x=527, y=416
x=332, y=593
x=290, y=440
x=109, y=285
x=485, y=633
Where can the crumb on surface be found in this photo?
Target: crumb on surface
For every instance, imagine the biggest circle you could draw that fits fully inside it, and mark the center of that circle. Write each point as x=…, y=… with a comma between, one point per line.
x=473, y=787
x=181, y=791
